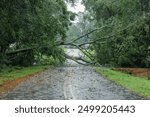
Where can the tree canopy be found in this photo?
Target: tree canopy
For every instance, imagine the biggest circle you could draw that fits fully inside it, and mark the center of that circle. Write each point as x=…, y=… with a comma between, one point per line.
x=126, y=35
x=34, y=26
x=117, y=30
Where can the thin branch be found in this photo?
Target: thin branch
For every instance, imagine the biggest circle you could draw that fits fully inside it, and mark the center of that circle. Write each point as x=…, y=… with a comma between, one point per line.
x=82, y=44
x=76, y=59
x=20, y=51
x=86, y=50
x=89, y=33
x=71, y=44
x=112, y=35
x=61, y=43
x=25, y=50
x=130, y=25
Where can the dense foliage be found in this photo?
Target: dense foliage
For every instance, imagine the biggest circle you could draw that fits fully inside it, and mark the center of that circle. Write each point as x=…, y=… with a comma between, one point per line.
x=31, y=27
x=128, y=31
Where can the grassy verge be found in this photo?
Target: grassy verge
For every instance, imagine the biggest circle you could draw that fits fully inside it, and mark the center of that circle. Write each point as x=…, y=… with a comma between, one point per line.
x=135, y=84
x=15, y=73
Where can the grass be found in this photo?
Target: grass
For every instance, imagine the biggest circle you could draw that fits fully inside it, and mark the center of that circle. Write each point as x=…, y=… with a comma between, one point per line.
x=15, y=73
x=136, y=84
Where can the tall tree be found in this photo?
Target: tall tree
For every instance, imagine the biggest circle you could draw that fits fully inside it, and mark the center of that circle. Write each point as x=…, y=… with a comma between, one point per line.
x=35, y=24
x=127, y=31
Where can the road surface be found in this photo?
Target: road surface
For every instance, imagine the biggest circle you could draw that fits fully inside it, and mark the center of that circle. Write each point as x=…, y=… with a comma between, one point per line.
x=71, y=82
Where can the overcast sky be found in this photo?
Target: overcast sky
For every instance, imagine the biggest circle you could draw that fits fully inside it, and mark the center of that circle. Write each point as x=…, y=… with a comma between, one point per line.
x=77, y=8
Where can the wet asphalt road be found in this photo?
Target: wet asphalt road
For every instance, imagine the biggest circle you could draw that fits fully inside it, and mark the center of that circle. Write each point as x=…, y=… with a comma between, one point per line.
x=69, y=83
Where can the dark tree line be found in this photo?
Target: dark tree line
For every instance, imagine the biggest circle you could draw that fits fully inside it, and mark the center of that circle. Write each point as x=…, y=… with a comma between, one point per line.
x=30, y=28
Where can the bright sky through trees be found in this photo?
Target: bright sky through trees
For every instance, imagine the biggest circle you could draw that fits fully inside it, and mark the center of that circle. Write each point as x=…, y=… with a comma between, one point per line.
x=77, y=8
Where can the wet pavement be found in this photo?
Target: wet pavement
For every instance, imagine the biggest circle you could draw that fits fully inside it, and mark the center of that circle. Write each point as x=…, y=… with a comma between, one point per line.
x=66, y=83
x=71, y=82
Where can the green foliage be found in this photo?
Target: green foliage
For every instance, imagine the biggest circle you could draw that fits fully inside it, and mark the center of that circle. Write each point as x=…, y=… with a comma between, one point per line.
x=22, y=59
x=129, y=47
x=138, y=85
x=36, y=24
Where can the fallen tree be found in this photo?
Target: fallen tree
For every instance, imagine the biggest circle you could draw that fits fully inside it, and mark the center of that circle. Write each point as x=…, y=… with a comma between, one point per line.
x=78, y=46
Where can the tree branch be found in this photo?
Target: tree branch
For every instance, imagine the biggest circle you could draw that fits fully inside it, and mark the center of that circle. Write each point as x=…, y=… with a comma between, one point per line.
x=76, y=59
x=71, y=44
x=60, y=43
x=20, y=51
x=25, y=49
x=112, y=35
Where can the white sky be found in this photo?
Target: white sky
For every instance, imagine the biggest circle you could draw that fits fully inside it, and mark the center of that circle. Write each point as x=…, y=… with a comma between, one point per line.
x=77, y=8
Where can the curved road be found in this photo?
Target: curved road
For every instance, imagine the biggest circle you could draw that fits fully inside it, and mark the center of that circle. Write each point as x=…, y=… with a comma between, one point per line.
x=77, y=83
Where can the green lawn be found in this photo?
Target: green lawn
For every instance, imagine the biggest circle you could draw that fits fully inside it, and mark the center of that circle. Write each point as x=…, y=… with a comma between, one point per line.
x=11, y=74
x=138, y=85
